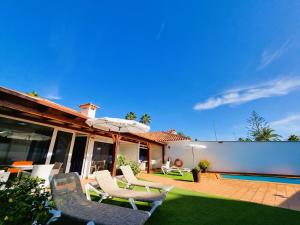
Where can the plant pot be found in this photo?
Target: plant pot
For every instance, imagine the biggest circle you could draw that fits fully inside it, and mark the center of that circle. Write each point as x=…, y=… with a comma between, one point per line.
x=196, y=176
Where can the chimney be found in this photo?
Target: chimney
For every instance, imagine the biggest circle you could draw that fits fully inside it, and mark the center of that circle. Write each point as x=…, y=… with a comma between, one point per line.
x=88, y=110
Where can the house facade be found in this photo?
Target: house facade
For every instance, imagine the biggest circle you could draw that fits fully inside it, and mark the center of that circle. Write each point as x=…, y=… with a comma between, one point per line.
x=39, y=130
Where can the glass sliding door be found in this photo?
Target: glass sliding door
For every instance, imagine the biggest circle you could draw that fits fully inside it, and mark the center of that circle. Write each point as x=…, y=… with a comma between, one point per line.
x=23, y=141
x=61, y=148
x=78, y=153
x=102, y=156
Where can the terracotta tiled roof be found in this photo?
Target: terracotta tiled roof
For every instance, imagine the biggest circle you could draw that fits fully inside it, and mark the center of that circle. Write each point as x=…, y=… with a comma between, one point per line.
x=163, y=136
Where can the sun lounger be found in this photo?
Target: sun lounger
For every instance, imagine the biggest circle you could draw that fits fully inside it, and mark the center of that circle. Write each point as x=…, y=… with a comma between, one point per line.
x=72, y=203
x=40, y=171
x=167, y=169
x=3, y=179
x=131, y=180
x=110, y=189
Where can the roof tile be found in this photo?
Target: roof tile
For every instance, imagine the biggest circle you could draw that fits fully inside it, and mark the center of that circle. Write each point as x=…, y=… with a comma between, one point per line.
x=163, y=136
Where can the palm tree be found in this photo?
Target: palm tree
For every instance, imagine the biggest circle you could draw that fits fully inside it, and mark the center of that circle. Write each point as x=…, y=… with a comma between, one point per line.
x=181, y=134
x=145, y=119
x=33, y=93
x=245, y=139
x=130, y=116
x=267, y=134
x=293, y=137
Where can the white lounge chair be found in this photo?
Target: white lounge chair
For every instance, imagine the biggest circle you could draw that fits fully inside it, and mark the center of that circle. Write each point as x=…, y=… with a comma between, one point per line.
x=42, y=172
x=110, y=189
x=167, y=169
x=131, y=180
x=4, y=178
x=71, y=203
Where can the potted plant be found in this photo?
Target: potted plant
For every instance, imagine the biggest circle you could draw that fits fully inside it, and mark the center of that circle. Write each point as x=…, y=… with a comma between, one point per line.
x=204, y=165
x=196, y=173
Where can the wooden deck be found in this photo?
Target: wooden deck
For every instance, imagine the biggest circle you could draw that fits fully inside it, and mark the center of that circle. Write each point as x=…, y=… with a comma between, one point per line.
x=274, y=194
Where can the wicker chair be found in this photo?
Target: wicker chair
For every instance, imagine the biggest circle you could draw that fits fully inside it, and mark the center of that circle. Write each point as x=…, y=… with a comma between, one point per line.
x=71, y=202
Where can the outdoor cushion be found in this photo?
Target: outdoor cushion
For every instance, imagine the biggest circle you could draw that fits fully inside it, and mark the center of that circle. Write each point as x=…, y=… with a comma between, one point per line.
x=70, y=200
x=132, y=180
x=109, y=186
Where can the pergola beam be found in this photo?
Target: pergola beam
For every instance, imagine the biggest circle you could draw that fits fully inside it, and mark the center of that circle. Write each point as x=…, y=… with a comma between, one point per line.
x=149, y=168
x=116, y=141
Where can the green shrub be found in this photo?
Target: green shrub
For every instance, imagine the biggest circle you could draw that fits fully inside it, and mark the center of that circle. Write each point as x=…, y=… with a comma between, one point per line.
x=122, y=161
x=196, y=169
x=204, y=165
x=135, y=166
x=24, y=201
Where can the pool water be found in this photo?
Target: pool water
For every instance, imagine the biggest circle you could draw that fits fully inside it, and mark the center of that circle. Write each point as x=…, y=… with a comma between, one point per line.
x=263, y=178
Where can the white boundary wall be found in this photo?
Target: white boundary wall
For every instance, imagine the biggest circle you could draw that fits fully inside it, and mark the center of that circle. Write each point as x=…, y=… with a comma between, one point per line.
x=248, y=157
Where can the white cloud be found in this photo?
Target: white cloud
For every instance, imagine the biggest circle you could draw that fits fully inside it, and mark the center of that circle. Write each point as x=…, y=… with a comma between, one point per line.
x=287, y=125
x=161, y=30
x=287, y=120
x=53, y=97
x=268, y=57
x=52, y=93
x=246, y=94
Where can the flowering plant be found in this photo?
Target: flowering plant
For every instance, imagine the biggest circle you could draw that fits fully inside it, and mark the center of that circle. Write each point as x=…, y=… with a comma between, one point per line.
x=24, y=201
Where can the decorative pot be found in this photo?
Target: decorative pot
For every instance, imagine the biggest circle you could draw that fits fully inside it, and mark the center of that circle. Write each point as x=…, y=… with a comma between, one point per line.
x=196, y=176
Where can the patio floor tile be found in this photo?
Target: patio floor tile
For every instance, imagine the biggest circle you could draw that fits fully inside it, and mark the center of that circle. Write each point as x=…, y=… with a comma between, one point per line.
x=274, y=194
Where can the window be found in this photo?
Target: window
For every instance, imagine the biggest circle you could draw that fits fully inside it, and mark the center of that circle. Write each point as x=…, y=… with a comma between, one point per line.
x=22, y=141
x=143, y=155
x=102, y=156
x=61, y=148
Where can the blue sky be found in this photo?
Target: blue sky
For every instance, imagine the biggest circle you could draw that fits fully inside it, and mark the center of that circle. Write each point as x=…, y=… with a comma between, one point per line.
x=191, y=65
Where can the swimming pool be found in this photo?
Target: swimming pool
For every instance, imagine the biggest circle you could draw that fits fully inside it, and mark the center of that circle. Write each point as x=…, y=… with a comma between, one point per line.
x=263, y=178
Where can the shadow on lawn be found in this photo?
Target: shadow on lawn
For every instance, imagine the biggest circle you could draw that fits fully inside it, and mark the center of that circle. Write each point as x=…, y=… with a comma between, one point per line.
x=198, y=209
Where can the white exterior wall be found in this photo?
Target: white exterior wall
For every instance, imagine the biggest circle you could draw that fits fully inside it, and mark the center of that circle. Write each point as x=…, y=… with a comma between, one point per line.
x=129, y=150
x=156, y=156
x=248, y=157
x=178, y=150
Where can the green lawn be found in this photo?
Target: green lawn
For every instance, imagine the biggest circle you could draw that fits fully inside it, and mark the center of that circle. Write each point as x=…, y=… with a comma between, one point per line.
x=183, y=207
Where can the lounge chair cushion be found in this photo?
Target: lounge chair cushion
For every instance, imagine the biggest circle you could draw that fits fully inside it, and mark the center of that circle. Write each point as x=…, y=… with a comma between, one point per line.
x=71, y=201
x=131, y=179
x=108, y=185
x=151, y=185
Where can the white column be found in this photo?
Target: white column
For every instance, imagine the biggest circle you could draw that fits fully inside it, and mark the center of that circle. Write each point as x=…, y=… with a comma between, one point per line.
x=138, y=151
x=88, y=158
x=70, y=154
x=51, y=147
x=84, y=156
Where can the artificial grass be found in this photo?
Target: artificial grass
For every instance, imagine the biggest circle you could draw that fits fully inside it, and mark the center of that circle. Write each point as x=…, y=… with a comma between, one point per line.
x=187, y=207
x=184, y=207
x=176, y=176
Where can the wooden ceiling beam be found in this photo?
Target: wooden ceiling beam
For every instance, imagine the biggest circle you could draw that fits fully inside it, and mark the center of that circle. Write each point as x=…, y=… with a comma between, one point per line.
x=47, y=114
